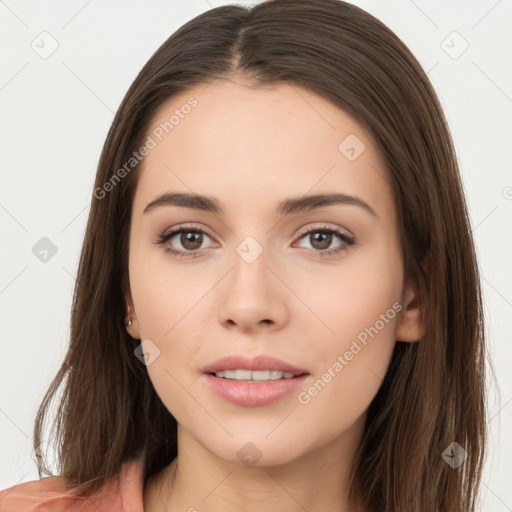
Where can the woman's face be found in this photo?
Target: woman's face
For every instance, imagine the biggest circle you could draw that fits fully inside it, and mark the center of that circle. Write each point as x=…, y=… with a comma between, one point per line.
x=264, y=279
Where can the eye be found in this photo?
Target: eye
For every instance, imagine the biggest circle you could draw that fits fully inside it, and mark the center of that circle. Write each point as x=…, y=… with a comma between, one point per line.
x=190, y=238
x=321, y=239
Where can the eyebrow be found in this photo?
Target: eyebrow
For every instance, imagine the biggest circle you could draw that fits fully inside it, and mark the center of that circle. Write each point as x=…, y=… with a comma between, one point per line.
x=285, y=207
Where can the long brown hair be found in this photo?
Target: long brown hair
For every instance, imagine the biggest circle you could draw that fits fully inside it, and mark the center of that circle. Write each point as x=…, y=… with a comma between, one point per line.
x=434, y=391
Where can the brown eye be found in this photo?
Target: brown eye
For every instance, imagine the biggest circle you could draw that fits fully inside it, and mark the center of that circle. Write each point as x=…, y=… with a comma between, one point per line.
x=191, y=240
x=183, y=241
x=320, y=240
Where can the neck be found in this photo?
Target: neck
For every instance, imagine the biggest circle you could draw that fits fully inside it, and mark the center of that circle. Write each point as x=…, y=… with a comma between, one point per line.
x=319, y=480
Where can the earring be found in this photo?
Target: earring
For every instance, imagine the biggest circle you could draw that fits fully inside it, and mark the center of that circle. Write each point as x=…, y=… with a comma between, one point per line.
x=129, y=318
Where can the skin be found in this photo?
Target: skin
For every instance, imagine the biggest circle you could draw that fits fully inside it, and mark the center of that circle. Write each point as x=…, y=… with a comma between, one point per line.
x=252, y=148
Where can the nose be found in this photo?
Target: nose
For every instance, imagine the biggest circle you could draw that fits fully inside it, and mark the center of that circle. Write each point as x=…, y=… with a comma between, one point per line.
x=253, y=296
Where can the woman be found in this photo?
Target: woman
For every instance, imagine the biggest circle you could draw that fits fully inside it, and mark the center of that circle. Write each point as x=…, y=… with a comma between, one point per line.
x=278, y=301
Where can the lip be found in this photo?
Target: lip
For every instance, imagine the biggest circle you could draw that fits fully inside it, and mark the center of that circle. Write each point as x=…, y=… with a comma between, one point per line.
x=253, y=394
x=259, y=362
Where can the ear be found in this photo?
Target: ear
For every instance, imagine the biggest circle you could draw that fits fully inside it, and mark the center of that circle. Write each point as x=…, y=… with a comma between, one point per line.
x=410, y=328
x=133, y=328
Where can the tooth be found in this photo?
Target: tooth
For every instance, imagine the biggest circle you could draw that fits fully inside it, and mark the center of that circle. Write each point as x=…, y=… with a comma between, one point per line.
x=243, y=374
x=260, y=375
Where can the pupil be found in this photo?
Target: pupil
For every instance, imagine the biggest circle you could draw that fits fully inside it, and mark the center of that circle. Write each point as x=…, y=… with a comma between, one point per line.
x=324, y=238
x=188, y=238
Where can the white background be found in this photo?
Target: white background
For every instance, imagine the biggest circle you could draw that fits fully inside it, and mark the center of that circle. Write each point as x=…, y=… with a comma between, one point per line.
x=55, y=114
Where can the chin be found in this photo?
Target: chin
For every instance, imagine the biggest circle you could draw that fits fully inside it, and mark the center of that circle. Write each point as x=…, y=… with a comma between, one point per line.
x=257, y=450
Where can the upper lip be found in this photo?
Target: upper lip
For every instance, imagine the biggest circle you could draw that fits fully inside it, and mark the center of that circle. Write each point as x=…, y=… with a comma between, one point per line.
x=260, y=362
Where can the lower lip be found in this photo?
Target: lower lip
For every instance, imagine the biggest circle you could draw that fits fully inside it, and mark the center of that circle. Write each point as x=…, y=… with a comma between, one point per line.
x=252, y=394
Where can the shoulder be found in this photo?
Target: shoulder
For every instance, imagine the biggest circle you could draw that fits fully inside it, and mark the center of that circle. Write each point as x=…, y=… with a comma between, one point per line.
x=51, y=494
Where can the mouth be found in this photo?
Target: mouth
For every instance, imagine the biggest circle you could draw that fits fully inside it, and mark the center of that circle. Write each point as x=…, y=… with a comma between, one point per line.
x=256, y=368
x=244, y=375
x=251, y=392
x=253, y=381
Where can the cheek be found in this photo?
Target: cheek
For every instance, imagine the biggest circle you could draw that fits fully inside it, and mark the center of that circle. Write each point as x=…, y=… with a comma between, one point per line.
x=169, y=301
x=356, y=311
x=342, y=392
x=349, y=366
x=359, y=333
x=352, y=309
x=165, y=294
x=354, y=296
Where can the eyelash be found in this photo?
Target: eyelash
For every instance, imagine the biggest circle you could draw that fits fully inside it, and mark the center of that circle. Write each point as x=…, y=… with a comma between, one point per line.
x=164, y=238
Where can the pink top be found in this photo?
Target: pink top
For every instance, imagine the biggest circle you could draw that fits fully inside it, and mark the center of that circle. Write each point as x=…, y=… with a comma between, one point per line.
x=120, y=494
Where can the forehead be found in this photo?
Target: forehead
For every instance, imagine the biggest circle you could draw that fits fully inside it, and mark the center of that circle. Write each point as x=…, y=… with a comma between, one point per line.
x=228, y=140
